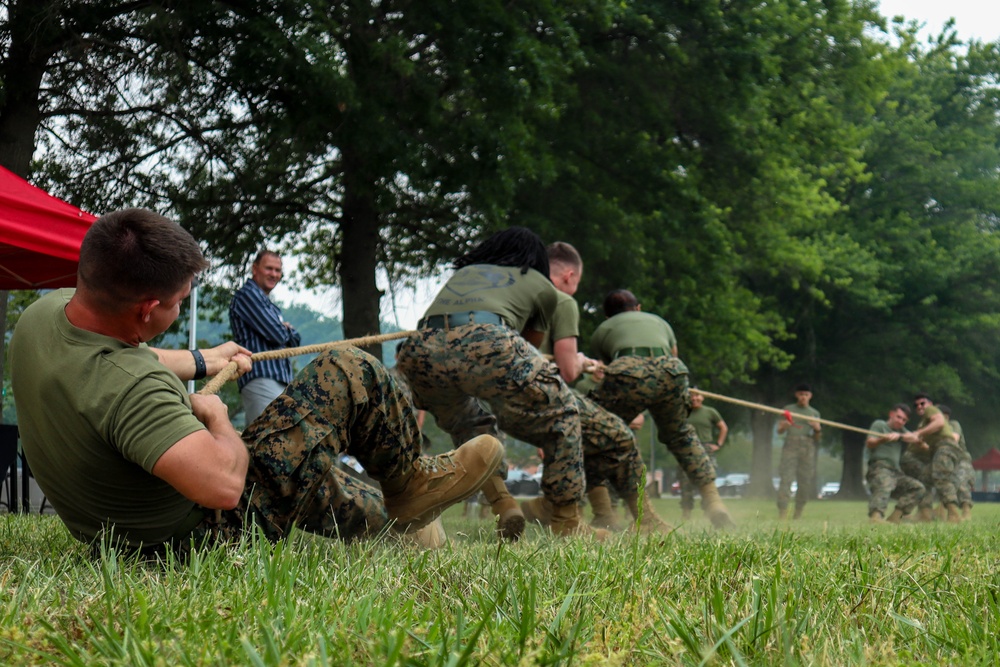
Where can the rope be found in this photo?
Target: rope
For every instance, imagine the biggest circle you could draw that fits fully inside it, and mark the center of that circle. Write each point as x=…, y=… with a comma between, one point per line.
x=230, y=370
x=778, y=411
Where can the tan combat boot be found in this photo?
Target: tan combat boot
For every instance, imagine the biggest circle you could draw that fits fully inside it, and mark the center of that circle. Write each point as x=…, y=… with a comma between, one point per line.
x=966, y=511
x=925, y=514
x=537, y=510
x=954, y=516
x=568, y=522
x=431, y=536
x=650, y=522
x=896, y=516
x=876, y=517
x=782, y=513
x=798, y=511
x=712, y=505
x=604, y=514
x=510, y=520
x=686, y=514
x=941, y=513
x=436, y=482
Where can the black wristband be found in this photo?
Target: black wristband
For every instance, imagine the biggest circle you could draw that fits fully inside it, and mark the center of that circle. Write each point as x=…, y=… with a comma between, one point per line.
x=200, y=370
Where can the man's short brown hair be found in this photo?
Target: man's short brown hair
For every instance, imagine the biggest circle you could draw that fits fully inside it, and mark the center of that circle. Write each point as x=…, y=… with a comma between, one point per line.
x=135, y=254
x=561, y=252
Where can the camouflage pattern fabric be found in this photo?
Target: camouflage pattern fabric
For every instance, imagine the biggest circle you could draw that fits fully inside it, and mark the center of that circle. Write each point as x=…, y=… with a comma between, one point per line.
x=449, y=369
x=687, y=488
x=660, y=385
x=798, y=463
x=944, y=467
x=610, y=453
x=344, y=402
x=917, y=464
x=966, y=479
x=885, y=481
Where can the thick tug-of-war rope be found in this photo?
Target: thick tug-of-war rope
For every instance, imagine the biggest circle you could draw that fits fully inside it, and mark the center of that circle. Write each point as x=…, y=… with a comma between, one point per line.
x=787, y=414
x=229, y=372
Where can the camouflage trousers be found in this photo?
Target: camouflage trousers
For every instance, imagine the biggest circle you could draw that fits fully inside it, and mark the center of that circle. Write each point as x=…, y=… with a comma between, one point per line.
x=344, y=402
x=610, y=453
x=798, y=463
x=966, y=479
x=687, y=488
x=886, y=481
x=660, y=385
x=944, y=473
x=918, y=466
x=451, y=370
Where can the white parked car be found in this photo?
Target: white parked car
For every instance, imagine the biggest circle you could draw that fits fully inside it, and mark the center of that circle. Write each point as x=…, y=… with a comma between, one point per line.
x=829, y=490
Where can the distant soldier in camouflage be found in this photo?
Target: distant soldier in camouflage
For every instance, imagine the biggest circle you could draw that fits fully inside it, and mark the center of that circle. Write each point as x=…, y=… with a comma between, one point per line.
x=610, y=454
x=475, y=343
x=915, y=462
x=712, y=431
x=885, y=479
x=937, y=433
x=798, y=455
x=644, y=373
x=965, y=474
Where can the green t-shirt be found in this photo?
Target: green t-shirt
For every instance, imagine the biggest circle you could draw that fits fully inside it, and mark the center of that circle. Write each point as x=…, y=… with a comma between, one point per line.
x=706, y=423
x=800, y=429
x=632, y=328
x=565, y=322
x=942, y=437
x=95, y=415
x=957, y=428
x=524, y=301
x=887, y=451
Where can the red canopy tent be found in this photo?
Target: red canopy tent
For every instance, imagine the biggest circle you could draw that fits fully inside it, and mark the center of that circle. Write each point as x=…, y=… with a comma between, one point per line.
x=40, y=236
x=987, y=462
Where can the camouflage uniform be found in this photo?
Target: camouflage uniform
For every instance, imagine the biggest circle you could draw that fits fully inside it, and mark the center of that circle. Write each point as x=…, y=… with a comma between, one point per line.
x=944, y=468
x=449, y=369
x=609, y=450
x=707, y=429
x=917, y=464
x=965, y=474
x=658, y=384
x=344, y=402
x=798, y=459
x=886, y=481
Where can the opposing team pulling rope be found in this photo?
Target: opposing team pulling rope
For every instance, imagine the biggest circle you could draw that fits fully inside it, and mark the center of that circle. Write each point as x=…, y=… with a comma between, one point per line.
x=229, y=372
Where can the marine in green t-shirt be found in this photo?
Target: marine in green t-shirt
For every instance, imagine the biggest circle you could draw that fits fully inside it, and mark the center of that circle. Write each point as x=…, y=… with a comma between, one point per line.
x=798, y=455
x=885, y=478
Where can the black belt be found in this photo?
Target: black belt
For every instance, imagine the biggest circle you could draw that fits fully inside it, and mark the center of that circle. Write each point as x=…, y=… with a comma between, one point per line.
x=451, y=320
x=641, y=352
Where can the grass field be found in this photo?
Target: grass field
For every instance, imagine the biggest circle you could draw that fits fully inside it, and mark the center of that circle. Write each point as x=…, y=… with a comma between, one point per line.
x=828, y=589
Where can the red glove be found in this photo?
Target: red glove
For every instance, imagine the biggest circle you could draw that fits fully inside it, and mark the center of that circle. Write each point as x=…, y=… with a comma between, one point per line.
x=788, y=416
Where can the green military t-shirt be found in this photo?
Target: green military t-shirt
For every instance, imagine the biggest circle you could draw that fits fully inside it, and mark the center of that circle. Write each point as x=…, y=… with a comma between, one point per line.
x=887, y=451
x=942, y=437
x=706, y=423
x=957, y=428
x=632, y=328
x=565, y=322
x=524, y=301
x=800, y=428
x=95, y=415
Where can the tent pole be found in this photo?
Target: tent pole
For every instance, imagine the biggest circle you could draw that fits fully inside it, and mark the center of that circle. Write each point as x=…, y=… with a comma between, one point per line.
x=192, y=328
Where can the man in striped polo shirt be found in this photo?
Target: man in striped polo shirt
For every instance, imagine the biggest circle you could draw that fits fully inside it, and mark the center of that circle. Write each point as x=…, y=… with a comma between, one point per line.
x=258, y=326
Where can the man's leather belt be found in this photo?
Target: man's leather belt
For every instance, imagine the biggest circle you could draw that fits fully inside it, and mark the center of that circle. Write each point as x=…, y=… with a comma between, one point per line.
x=451, y=320
x=641, y=352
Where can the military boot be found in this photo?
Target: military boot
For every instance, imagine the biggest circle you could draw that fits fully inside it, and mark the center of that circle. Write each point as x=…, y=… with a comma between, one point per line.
x=567, y=521
x=431, y=536
x=966, y=511
x=537, y=510
x=510, y=520
x=712, y=505
x=650, y=521
x=925, y=514
x=941, y=513
x=896, y=516
x=954, y=516
x=436, y=482
x=876, y=517
x=782, y=513
x=604, y=513
x=798, y=511
x=686, y=513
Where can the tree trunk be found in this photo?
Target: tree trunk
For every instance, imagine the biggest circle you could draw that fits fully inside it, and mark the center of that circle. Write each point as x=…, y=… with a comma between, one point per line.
x=359, y=257
x=761, y=471
x=851, y=479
